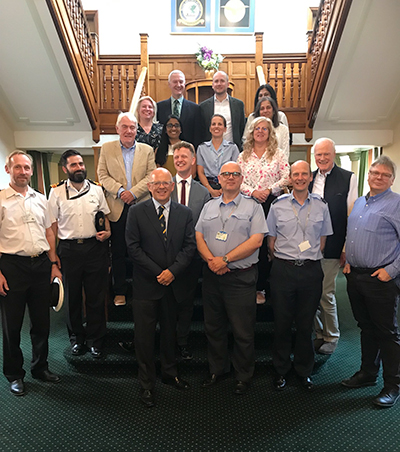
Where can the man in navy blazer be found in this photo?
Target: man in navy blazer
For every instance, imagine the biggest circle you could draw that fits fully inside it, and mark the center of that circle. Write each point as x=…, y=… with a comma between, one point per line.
x=160, y=241
x=194, y=195
x=188, y=112
x=230, y=108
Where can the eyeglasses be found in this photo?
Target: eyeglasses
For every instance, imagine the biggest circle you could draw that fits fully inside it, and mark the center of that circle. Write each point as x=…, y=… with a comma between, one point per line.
x=259, y=129
x=227, y=174
x=160, y=184
x=383, y=175
x=173, y=126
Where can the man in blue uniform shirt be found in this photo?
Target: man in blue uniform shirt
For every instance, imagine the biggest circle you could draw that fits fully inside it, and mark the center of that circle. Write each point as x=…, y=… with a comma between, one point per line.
x=298, y=225
x=373, y=281
x=229, y=233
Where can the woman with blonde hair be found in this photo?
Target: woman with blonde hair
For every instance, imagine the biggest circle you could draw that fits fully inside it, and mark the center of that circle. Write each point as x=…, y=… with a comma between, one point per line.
x=265, y=171
x=149, y=129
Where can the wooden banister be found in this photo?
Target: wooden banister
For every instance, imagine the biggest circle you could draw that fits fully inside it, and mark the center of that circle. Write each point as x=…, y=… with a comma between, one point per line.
x=138, y=89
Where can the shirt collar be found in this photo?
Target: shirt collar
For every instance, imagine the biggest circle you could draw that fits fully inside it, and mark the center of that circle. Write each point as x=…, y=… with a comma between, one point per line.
x=223, y=100
x=378, y=196
x=132, y=148
x=179, y=179
x=235, y=201
x=167, y=205
x=71, y=187
x=293, y=199
x=11, y=192
x=180, y=100
x=327, y=173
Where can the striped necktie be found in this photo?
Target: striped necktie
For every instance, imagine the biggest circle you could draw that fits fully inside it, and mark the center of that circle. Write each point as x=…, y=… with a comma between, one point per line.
x=161, y=219
x=176, y=108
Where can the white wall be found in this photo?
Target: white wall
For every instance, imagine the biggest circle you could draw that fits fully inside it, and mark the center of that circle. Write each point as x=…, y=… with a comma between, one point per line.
x=284, y=23
x=7, y=145
x=393, y=152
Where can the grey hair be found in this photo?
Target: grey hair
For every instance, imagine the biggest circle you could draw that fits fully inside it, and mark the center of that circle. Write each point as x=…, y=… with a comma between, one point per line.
x=126, y=114
x=385, y=161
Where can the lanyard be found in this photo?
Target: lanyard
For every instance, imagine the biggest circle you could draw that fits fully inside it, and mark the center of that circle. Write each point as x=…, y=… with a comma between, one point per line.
x=298, y=219
x=230, y=214
x=78, y=195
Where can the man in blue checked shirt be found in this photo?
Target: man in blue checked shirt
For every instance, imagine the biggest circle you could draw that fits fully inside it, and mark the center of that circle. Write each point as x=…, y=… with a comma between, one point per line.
x=373, y=281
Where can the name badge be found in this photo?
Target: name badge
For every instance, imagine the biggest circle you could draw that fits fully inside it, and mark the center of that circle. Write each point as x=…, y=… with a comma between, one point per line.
x=28, y=218
x=304, y=246
x=222, y=236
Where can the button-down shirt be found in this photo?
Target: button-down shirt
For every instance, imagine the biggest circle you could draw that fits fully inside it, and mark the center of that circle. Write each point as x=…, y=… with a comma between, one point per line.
x=76, y=216
x=319, y=188
x=239, y=219
x=128, y=156
x=212, y=160
x=373, y=233
x=223, y=108
x=23, y=222
x=179, y=188
x=292, y=224
x=167, y=207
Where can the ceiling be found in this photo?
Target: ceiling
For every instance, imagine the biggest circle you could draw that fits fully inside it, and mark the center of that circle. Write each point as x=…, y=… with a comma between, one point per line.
x=360, y=106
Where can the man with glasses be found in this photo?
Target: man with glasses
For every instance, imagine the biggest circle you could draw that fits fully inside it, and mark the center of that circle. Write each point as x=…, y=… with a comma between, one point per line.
x=188, y=112
x=373, y=281
x=123, y=170
x=229, y=234
x=160, y=241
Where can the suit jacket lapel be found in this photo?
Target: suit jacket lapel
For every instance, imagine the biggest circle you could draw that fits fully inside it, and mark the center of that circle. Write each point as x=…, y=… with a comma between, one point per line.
x=153, y=219
x=119, y=157
x=172, y=221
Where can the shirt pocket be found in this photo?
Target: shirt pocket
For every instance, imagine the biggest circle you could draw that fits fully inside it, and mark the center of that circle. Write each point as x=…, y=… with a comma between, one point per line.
x=316, y=222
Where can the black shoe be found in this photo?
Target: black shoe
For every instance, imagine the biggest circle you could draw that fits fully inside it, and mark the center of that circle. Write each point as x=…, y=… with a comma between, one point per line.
x=17, y=387
x=279, y=382
x=185, y=352
x=241, y=387
x=213, y=379
x=317, y=344
x=359, y=379
x=96, y=352
x=387, y=398
x=47, y=377
x=176, y=382
x=78, y=349
x=127, y=346
x=306, y=383
x=147, y=397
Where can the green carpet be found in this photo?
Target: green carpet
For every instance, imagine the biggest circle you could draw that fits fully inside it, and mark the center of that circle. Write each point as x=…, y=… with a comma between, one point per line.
x=96, y=406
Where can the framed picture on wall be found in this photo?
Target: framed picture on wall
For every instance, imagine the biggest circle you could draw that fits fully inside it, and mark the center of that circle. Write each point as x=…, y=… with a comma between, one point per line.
x=190, y=16
x=234, y=16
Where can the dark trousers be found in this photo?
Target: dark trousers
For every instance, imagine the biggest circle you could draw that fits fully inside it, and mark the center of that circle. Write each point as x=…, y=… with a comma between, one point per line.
x=295, y=295
x=374, y=304
x=85, y=265
x=146, y=314
x=230, y=299
x=185, y=307
x=264, y=264
x=119, y=253
x=29, y=283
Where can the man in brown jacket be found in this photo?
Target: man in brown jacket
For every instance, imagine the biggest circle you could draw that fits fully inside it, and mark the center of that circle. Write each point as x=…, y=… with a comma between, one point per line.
x=123, y=170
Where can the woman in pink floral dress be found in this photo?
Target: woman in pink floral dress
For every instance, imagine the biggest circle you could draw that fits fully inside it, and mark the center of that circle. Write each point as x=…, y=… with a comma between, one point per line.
x=266, y=173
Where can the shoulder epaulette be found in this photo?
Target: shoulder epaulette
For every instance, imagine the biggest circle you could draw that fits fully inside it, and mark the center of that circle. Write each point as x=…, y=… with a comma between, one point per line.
x=316, y=196
x=286, y=195
x=247, y=196
x=57, y=185
x=94, y=182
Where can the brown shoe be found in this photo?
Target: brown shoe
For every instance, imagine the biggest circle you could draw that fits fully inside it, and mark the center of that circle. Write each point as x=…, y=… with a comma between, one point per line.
x=120, y=300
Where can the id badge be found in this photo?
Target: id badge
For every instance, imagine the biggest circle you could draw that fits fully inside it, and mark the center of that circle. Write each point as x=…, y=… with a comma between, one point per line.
x=222, y=236
x=304, y=246
x=28, y=218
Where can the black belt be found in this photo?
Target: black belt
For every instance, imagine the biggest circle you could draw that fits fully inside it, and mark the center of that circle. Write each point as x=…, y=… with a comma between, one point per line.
x=34, y=256
x=242, y=269
x=78, y=241
x=363, y=270
x=297, y=262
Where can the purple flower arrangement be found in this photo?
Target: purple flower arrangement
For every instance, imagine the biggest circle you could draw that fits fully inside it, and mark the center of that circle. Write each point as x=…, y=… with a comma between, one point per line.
x=207, y=59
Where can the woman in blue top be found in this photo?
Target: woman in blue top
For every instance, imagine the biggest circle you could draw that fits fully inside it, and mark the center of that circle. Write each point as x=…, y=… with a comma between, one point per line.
x=211, y=155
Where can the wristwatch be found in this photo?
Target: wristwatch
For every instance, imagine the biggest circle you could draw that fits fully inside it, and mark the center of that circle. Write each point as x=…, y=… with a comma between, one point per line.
x=225, y=259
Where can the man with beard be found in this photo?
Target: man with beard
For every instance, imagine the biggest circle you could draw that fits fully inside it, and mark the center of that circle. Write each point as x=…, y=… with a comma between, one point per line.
x=83, y=252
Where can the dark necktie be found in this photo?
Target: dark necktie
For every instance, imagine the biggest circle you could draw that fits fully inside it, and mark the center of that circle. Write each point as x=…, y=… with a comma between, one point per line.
x=183, y=192
x=161, y=218
x=176, y=108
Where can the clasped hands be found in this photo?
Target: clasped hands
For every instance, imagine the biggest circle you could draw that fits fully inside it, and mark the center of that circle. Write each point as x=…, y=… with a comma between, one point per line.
x=217, y=265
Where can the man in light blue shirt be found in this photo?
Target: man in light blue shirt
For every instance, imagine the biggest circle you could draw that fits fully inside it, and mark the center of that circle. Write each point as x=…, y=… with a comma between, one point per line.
x=298, y=225
x=373, y=281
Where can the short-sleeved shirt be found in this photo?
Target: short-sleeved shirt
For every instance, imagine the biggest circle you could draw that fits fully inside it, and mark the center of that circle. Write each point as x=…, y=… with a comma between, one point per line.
x=75, y=210
x=239, y=219
x=292, y=223
x=212, y=159
x=23, y=222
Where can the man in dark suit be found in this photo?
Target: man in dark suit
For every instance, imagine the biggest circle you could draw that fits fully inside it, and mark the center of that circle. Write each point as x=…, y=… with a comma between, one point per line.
x=188, y=112
x=192, y=194
x=230, y=108
x=161, y=244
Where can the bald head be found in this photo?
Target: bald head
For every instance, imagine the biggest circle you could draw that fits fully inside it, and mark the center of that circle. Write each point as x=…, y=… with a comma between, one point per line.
x=161, y=185
x=300, y=177
x=220, y=84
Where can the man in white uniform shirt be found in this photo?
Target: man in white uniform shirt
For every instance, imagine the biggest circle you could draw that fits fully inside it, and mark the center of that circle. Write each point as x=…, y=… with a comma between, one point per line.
x=27, y=266
x=83, y=251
